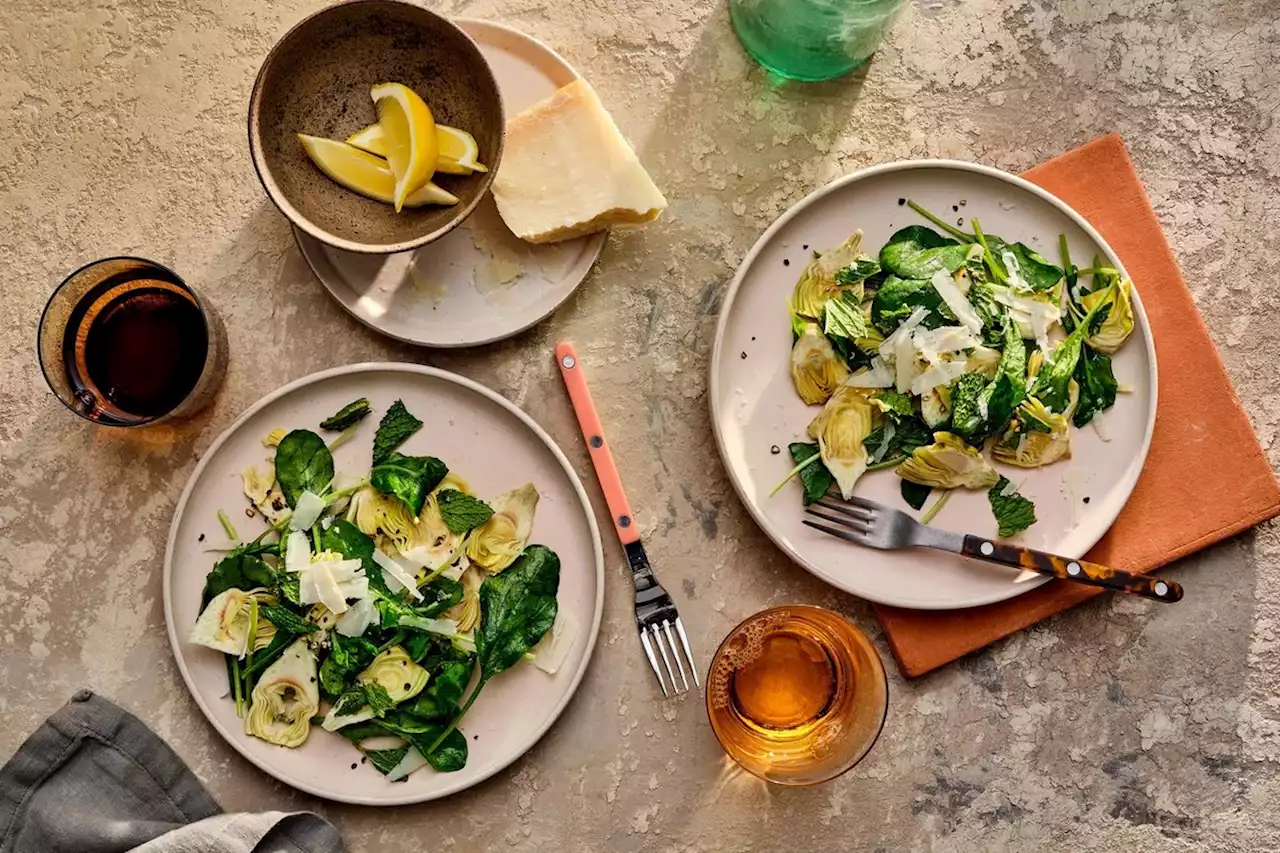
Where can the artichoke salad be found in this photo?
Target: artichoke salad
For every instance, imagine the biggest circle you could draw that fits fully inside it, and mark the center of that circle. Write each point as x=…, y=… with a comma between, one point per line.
x=946, y=347
x=367, y=608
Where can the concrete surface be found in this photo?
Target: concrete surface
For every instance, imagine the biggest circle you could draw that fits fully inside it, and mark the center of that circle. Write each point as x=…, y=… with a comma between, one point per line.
x=1120, y=726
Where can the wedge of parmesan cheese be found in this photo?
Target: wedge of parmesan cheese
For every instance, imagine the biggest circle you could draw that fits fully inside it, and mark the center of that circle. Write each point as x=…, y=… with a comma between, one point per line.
x=566, y=171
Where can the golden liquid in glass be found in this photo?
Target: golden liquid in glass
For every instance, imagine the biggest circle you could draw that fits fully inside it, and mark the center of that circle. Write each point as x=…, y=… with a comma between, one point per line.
x=796, y=695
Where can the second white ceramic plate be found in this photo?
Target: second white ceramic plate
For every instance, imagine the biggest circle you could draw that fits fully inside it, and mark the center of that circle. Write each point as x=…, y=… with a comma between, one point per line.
x=493, y=446
x=755, y=407
x=479, y=283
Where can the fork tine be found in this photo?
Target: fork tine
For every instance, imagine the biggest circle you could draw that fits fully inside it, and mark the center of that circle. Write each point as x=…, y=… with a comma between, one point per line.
x=847, y=535
x=675, y=652
x=851, y=510
x=653, y=661
x=662, y=648
x=854, y=500
x=857, y=524
x=684, y=640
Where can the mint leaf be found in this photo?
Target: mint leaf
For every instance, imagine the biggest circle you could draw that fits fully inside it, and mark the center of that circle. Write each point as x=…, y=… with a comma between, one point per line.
x=290, y=586
x=895, y=403
x=1013, y=512
x=371, y=695
x=350, y=701
x=461, y=511
x=385, y=760
x=815, y=478
x=844, y=318
x=349, y=415
x=378, y=699
x=862, y=268
x=395, y=427
x=286, y=620
x=967, y=420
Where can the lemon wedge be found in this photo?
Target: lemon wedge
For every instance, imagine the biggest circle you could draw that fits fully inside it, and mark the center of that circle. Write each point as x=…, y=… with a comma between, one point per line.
x=410, y=133
x=458, y=151
x=366, y=174
x=458, y=146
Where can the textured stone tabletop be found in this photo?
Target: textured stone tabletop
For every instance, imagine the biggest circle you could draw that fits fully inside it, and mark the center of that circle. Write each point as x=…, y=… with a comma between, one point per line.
x=1122, y=725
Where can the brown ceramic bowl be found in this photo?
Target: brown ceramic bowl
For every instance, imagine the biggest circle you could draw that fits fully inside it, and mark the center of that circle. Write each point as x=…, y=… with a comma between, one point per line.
x=316, y=80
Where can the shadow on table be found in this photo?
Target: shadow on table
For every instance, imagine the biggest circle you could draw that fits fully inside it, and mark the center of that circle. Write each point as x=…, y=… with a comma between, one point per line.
x=724, y=107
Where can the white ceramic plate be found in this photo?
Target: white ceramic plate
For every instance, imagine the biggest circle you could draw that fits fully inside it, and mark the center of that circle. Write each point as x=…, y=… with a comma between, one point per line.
x=490, y=443
x=755, y=407
x=479, y=283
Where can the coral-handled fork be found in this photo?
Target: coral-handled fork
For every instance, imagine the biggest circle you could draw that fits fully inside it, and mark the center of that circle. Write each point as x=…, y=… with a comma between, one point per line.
x=877, y=526
x=656, y=615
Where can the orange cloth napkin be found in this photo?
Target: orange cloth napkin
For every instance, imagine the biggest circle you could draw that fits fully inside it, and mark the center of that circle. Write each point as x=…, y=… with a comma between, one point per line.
x=1205, y=476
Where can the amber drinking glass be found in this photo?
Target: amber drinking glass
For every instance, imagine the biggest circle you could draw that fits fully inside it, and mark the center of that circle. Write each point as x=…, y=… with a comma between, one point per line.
x=797, y=695
x=125, y=342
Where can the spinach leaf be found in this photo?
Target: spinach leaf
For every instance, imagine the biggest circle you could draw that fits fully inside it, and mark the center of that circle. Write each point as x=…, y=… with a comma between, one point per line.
x=814, y=477
x=450, y=756
x=286, y=620
x=908, y=433
x=1009, y=388
x=461, y=511
x=303, y=464
x=440, y=700
x=854, y=356
x=1097, y=385
x=967, y=418
x=915, y=494
x=517, y=608
x=236, y=571
x=918, y=252
x=349, y=415
x=843, y=318
x=898, y=297
x=438, y=596
x=263, y=659
x=410, y=478
x=1013, y=512
x=433, y=651
x=351, y=542
x=385, y=760
x=347, y=656
x=862, y=268
x=1039, y=274
x=1052, y=385
x=394, y=428
x=357, y=732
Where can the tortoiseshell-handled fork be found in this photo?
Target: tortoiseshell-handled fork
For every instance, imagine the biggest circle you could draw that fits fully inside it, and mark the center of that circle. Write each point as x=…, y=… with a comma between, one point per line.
x=877, y=526
x=656, y=615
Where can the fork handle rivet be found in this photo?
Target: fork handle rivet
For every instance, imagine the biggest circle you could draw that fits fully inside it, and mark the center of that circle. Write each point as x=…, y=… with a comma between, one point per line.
x=987, y=549
x=568, y=361
x=624, y=521
x=597, y=442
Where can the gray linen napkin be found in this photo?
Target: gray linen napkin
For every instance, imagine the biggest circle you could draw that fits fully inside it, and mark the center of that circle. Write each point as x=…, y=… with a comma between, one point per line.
x=94, y=779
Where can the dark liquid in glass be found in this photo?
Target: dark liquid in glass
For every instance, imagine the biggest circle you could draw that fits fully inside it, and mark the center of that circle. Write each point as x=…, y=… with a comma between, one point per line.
x=139, y=345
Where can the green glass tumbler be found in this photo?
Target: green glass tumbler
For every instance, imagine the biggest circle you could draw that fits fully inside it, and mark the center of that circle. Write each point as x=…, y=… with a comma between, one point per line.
x=812, y=40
